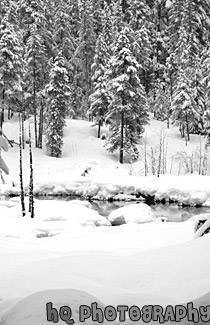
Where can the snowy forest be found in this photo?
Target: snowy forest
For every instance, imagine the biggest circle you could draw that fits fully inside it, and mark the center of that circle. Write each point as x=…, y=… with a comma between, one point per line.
x=104, y=160
x=107, y=61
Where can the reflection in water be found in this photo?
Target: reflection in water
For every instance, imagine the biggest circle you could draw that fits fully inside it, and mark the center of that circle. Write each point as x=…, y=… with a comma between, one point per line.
x=173, y=212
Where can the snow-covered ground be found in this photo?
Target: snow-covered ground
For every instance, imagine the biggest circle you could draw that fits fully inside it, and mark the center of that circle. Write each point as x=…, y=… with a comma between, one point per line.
x=68, y=246
x=106, y=177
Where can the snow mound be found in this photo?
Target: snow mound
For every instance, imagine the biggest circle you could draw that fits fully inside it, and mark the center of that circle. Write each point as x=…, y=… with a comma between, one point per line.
x=52, y=218
x=136, y=213
x=3, y=211
x=32, y=309
x=7, y=203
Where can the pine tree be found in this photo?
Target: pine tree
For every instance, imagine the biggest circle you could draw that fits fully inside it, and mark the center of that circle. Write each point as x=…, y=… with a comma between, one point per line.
x=11, y=65
x=117, y=17
x=206, y=121
x=205, y=67
x=108, y=31
x=192, y=16
x=8, y=8
x=85, y=52
x=58, y=91
x=187, y=64
x=139, y=14
x=161, y=106
x=97, y=16
x=159, y=41
x=34, y=78
x=170, y=78
x=29, y=12
x=183, y=105
x=128, y=106
x=62, y=30
x=74, y=18
x=199, y=97
x=3, y=9
x=143, y=51
x=99, y=98
x=175, y=22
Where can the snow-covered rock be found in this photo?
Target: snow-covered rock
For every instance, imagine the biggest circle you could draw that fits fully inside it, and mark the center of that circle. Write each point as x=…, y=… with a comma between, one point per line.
x=32, y=309
x=136, y=213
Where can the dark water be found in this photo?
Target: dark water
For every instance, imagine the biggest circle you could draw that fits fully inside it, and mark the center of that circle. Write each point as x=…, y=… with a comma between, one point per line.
x=173, y=212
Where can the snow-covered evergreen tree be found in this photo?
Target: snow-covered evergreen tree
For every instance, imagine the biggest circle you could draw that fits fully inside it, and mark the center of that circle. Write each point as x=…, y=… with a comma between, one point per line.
x=74, y=18
x=97, y=16
x=199, y=97
x=62, y=30
x=140, y=13
x=206, y=125
x=128, y=106
x=58, y=91
x=193, y=16
x=34, y=78
x=161, y=106
x=205, y=71
x=11, y=65
x=184, y=110
x=175, y=22
x=117, y=17
x=108, y=29
x=84, y=53
x=99, y=98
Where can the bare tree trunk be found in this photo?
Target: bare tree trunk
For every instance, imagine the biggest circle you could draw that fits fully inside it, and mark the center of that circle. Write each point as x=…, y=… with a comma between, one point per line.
x=99, y=128
x=31, y=185
x=21, y=172
x=182, y=130
x=187, y=128
x=34, y=103
x=41, y=125
x=122, y=138
x=9, y=113
x=23, y=135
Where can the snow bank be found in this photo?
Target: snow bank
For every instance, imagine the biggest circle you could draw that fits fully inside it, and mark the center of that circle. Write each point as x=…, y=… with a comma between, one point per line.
x=51, y=218
x=188, y=190
x=137, y=213
x=165, y=275
x=32, y=309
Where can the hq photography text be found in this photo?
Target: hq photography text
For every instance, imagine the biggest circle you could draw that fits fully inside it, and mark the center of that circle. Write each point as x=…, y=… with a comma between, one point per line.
x=122, y=313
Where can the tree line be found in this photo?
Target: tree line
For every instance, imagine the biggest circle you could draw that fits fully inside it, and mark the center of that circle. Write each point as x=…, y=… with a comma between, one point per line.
x=110, y=61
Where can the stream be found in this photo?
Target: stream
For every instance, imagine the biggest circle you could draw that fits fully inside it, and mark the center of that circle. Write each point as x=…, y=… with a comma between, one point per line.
x=174, y=212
